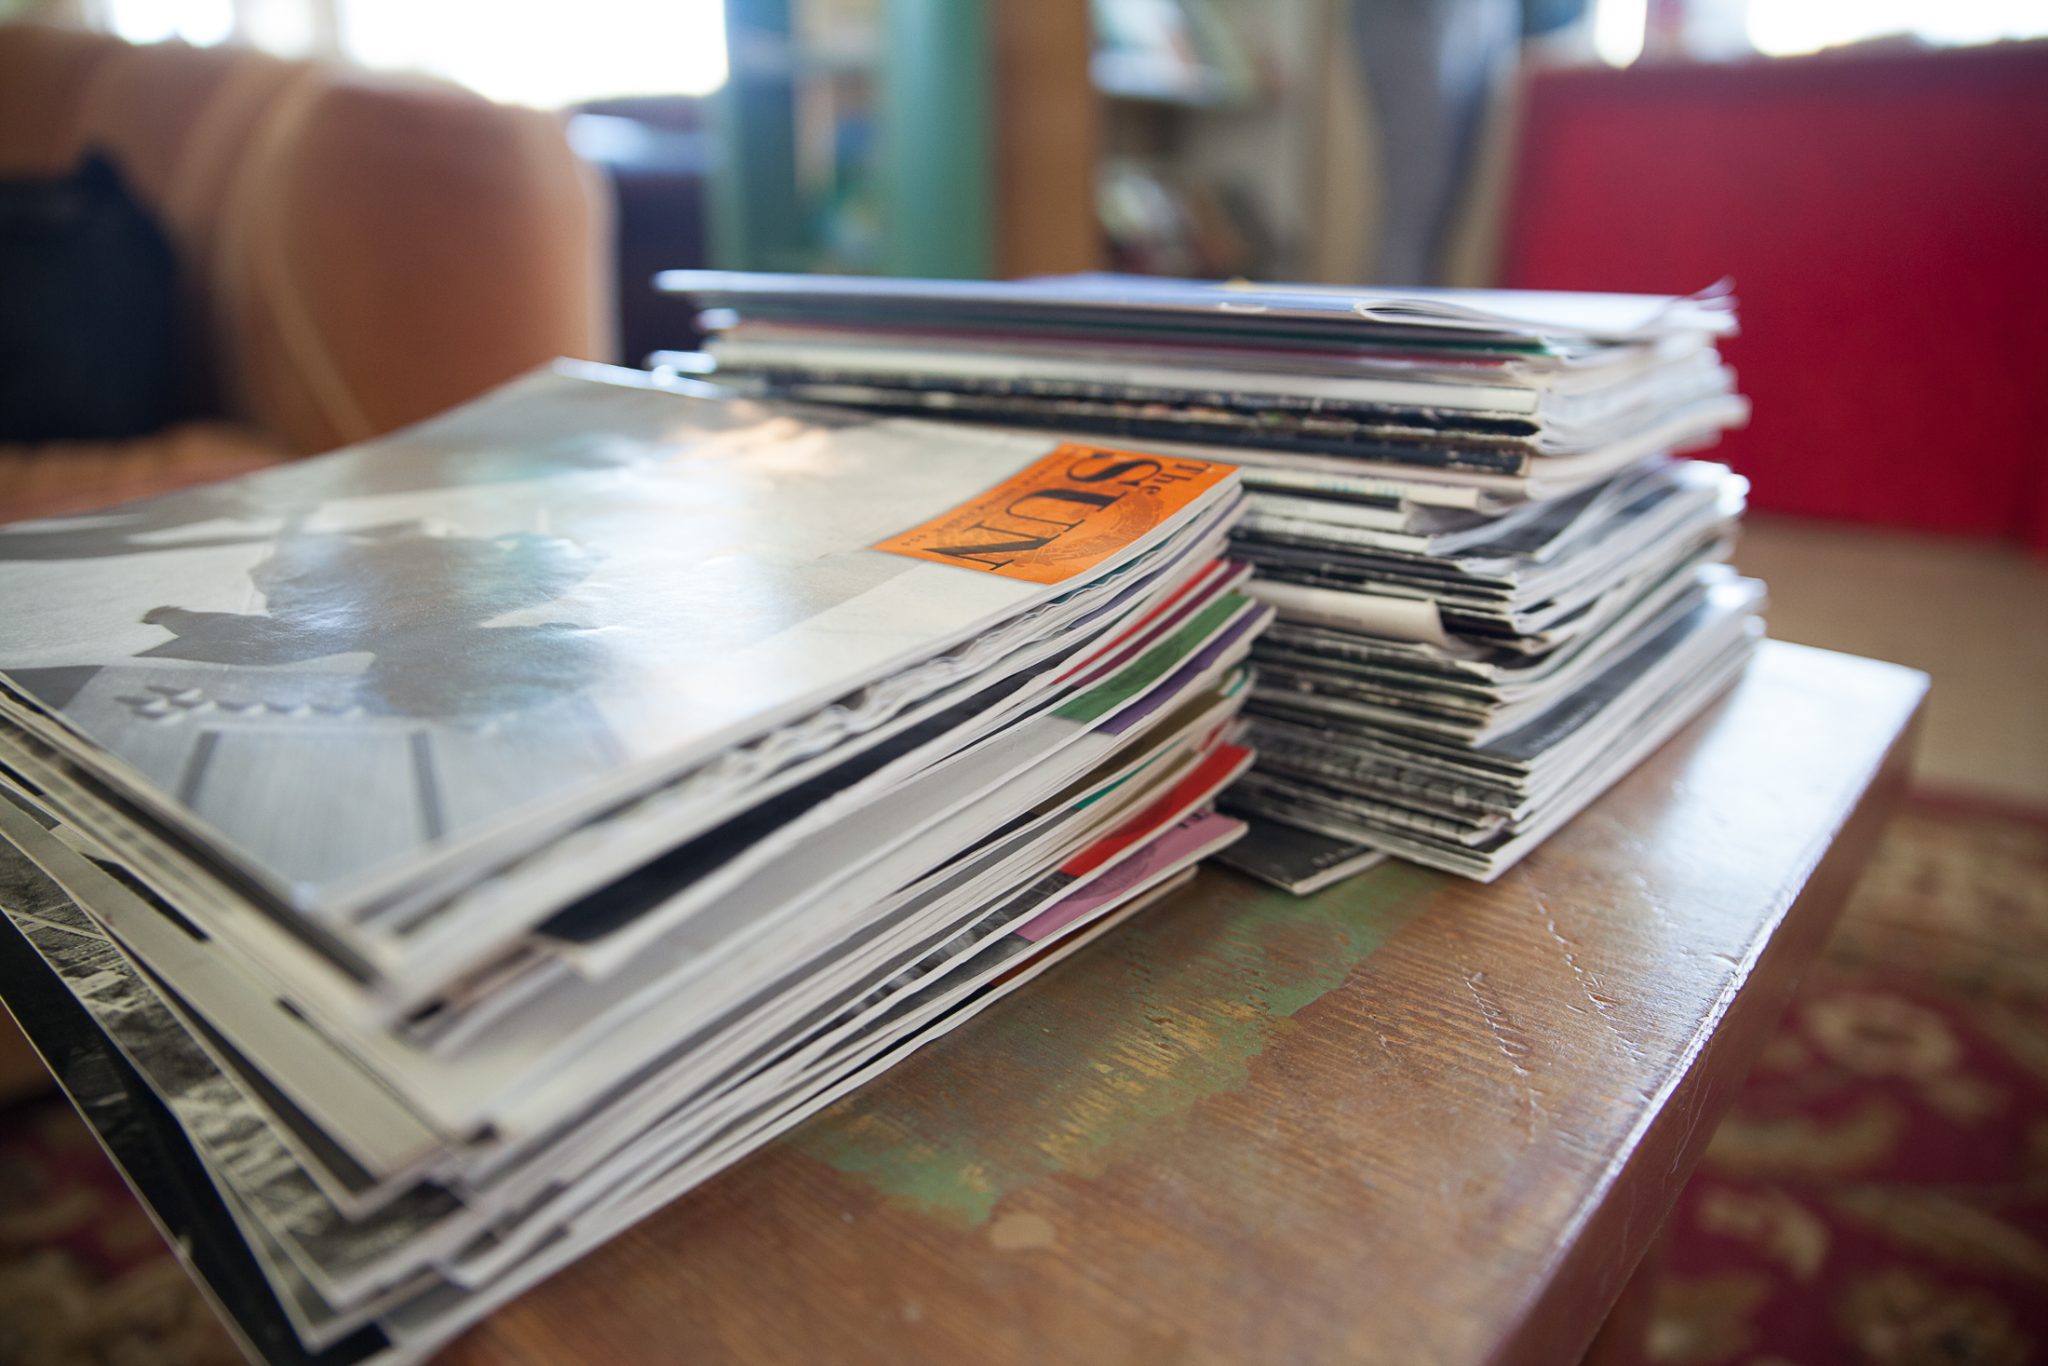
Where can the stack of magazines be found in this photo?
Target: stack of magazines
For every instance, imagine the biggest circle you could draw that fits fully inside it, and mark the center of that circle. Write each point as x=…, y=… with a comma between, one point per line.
x=1498, y=586
x=423, y=861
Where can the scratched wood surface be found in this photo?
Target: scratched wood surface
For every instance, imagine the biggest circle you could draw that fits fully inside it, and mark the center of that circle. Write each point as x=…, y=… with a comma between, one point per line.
x=1409, y=1120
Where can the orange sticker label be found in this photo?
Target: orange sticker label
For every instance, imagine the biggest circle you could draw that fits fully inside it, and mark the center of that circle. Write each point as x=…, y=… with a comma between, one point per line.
x=1063, y=516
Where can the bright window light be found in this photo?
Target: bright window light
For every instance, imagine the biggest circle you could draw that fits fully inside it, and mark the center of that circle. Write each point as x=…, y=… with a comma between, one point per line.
x=199, y=22
x=545, y=54
x=1618, y=30
x=1783, y=28
x=290, y=28
x=535, y=52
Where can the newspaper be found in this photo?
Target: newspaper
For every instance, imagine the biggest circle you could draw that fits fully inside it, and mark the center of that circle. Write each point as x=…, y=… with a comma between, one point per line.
x=1477, y=809
x=579, y=582
x=422, y=1306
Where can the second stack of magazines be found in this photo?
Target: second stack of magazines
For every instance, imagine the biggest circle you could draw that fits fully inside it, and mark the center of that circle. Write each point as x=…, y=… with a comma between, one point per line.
x=421, y=862
x=1499, y=587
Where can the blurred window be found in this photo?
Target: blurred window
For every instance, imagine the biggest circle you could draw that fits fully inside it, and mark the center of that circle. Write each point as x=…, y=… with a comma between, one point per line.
x=544, y=54
x=1620, y=31
x=1781, y=28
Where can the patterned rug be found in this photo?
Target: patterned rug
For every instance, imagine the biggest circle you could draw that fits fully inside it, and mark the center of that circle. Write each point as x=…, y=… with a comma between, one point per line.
x=84, y=1278
x=1879, y=1194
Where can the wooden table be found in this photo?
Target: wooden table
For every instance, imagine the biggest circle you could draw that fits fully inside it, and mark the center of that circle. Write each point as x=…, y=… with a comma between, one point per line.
x=1411, y=1120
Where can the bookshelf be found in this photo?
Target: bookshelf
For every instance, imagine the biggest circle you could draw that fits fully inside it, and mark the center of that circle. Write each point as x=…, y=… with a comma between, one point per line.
x=906, y=137
x=969, y=138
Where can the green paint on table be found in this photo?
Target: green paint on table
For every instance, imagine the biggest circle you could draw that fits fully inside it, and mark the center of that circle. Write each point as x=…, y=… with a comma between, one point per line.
x=1130, y=1034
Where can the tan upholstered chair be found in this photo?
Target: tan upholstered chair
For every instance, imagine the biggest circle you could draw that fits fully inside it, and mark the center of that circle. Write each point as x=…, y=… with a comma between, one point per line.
x=355, y=253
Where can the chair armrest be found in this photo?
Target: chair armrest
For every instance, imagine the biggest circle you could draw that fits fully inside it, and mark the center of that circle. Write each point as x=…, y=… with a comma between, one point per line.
x=400, y=247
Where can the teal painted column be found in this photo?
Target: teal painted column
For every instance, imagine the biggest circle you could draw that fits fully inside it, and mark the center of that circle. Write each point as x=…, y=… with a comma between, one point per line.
x=937, y=139
x=755, y=220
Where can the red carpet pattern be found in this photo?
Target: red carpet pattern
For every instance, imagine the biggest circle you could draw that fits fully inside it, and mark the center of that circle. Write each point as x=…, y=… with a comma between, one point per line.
x=1880, y=1192
x=84, y=1278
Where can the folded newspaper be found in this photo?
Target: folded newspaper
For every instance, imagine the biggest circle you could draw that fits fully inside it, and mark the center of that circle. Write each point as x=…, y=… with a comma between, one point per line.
x=1497, y=586
x=423, y=861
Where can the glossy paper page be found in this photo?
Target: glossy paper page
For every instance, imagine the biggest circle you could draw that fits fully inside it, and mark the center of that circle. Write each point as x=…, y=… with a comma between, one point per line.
x=340, y=669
